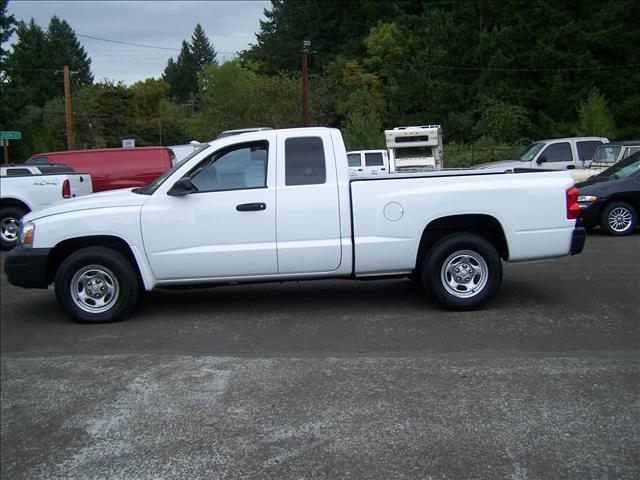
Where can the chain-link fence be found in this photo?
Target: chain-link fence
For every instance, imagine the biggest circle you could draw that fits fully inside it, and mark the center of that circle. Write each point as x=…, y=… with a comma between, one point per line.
x=467, y=155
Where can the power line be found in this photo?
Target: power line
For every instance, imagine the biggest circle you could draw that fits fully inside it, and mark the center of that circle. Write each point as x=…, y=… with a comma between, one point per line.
x=129, y=43
x=143, y=45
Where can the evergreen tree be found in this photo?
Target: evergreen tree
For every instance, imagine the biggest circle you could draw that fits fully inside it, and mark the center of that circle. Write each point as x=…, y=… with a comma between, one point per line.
x=7, y=23
x=63, y=48
x=25, y=79
x=594, y=117
x=182, y=74
x=202, y=49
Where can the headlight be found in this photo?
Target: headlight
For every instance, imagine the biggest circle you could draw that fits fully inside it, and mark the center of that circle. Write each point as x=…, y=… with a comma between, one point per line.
x=26, y=234
x=587, y=198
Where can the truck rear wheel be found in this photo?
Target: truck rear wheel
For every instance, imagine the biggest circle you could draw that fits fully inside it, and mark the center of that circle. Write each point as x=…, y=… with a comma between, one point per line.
x=463, y=271
x=9, y=224
x=96, y=285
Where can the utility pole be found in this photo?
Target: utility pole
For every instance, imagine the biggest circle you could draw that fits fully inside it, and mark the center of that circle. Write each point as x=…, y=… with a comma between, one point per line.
x=67, y=105
x=305, y=100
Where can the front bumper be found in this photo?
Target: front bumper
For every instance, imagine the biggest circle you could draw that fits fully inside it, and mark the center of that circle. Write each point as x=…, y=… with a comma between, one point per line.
x=578, y=239
x=27, y=267
x=590, y=214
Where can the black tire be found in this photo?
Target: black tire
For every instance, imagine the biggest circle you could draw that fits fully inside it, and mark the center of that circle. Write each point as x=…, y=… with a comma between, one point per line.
x=618, y=218
x=463, y=271
x=9, y=221
x=96, y=285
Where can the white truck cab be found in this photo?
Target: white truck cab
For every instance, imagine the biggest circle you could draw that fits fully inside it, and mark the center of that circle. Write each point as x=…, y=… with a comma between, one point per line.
x=415, y=149
x=364, y=163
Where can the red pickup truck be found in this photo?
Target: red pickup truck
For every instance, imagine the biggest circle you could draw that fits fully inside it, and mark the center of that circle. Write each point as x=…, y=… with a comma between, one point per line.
x=112, y=168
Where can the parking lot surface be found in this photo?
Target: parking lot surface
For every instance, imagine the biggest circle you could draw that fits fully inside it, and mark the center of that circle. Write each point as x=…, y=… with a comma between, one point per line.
x=334, y=379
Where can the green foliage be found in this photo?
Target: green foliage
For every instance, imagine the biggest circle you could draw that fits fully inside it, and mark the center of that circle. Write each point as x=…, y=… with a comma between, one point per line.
x=594, y=117
x=182, y=74
x=491, y=73
x=236, y=97
x=63, y=48
x=202, y=50
x=461, y=155
x=7, y=27
x=146, y=97
x=33, y=77
x=363, y=131
x=501, y=122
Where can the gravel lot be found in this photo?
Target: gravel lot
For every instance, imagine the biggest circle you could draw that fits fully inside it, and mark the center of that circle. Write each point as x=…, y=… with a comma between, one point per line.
x=334, y=379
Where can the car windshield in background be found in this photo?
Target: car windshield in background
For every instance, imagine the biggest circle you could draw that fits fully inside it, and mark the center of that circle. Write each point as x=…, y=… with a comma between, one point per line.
x=606, y=154
x=151, y=187
x=625, y=168
x=531, y=152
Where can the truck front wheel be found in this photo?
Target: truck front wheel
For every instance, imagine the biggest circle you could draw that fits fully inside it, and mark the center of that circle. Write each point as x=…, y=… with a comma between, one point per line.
x=96, y=285
x=463, y=271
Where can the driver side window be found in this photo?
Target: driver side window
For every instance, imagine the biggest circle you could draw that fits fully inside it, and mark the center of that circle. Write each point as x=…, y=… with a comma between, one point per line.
x=235, y=168
x=557, y=152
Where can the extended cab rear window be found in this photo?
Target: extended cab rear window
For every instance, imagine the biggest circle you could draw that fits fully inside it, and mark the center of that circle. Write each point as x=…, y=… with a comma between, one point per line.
x=18, y=171
x=354, y=159
x=373, y=159
x=304, y=161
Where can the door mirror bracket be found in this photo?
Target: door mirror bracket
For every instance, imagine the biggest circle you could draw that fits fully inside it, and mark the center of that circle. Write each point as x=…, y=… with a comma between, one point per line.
x=182, y=187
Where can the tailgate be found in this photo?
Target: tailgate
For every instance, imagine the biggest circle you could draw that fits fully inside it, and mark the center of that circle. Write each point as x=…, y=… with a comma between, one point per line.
x=80, y=184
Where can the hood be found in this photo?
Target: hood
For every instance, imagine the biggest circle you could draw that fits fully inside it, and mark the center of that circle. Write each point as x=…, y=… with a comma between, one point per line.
x=112, y=198
x=503, y=165
x=596, y=182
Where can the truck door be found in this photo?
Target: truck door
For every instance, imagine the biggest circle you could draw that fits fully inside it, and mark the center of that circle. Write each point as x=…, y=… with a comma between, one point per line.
x=556, y=156
x=225, y=229
x=307, y=206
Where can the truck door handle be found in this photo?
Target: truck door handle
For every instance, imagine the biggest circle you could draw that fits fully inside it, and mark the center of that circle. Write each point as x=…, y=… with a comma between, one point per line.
x=251, y=207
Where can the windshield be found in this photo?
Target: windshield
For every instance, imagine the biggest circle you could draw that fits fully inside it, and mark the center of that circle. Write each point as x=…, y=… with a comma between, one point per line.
x=606, y=154
x=624, y=168
x=531, y=152
x=151, y=187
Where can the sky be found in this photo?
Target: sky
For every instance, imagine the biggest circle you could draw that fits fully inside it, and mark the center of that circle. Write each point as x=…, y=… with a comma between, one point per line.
x=230, y=26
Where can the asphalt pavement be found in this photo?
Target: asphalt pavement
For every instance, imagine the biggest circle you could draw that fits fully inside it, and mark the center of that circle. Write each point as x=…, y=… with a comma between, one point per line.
x=334, y=379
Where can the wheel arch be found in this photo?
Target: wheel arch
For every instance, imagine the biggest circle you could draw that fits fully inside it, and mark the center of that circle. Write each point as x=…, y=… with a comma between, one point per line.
x=14, y=202
x=623, y=198
x=486, y=226
x=66, y=247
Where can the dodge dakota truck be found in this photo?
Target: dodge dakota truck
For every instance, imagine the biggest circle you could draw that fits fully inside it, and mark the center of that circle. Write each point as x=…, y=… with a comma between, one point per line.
x=279, y=205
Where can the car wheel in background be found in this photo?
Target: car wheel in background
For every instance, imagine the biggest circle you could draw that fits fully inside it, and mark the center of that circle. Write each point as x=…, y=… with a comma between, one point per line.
x=9, y=225
x=618, y=218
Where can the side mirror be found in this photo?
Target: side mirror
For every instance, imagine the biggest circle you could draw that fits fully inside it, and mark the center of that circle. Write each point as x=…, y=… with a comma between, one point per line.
x=541, y=160
x=182, y=187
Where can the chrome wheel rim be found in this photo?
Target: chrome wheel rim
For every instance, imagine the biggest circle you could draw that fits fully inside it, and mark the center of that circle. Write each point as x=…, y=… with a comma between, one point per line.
x=94, y=289
x=9, y=229
x=464, y=274
x=619, y=219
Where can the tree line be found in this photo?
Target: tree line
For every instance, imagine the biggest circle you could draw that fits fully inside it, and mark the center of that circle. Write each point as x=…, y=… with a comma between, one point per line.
x=495, y=74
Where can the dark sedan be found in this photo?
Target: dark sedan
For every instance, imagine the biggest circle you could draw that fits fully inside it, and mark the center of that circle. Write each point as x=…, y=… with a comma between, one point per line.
x=611, y=199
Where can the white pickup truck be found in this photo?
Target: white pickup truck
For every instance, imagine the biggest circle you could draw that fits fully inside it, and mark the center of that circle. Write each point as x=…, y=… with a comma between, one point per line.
x=279, y=205
x=24, y=188
x=573, y=153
